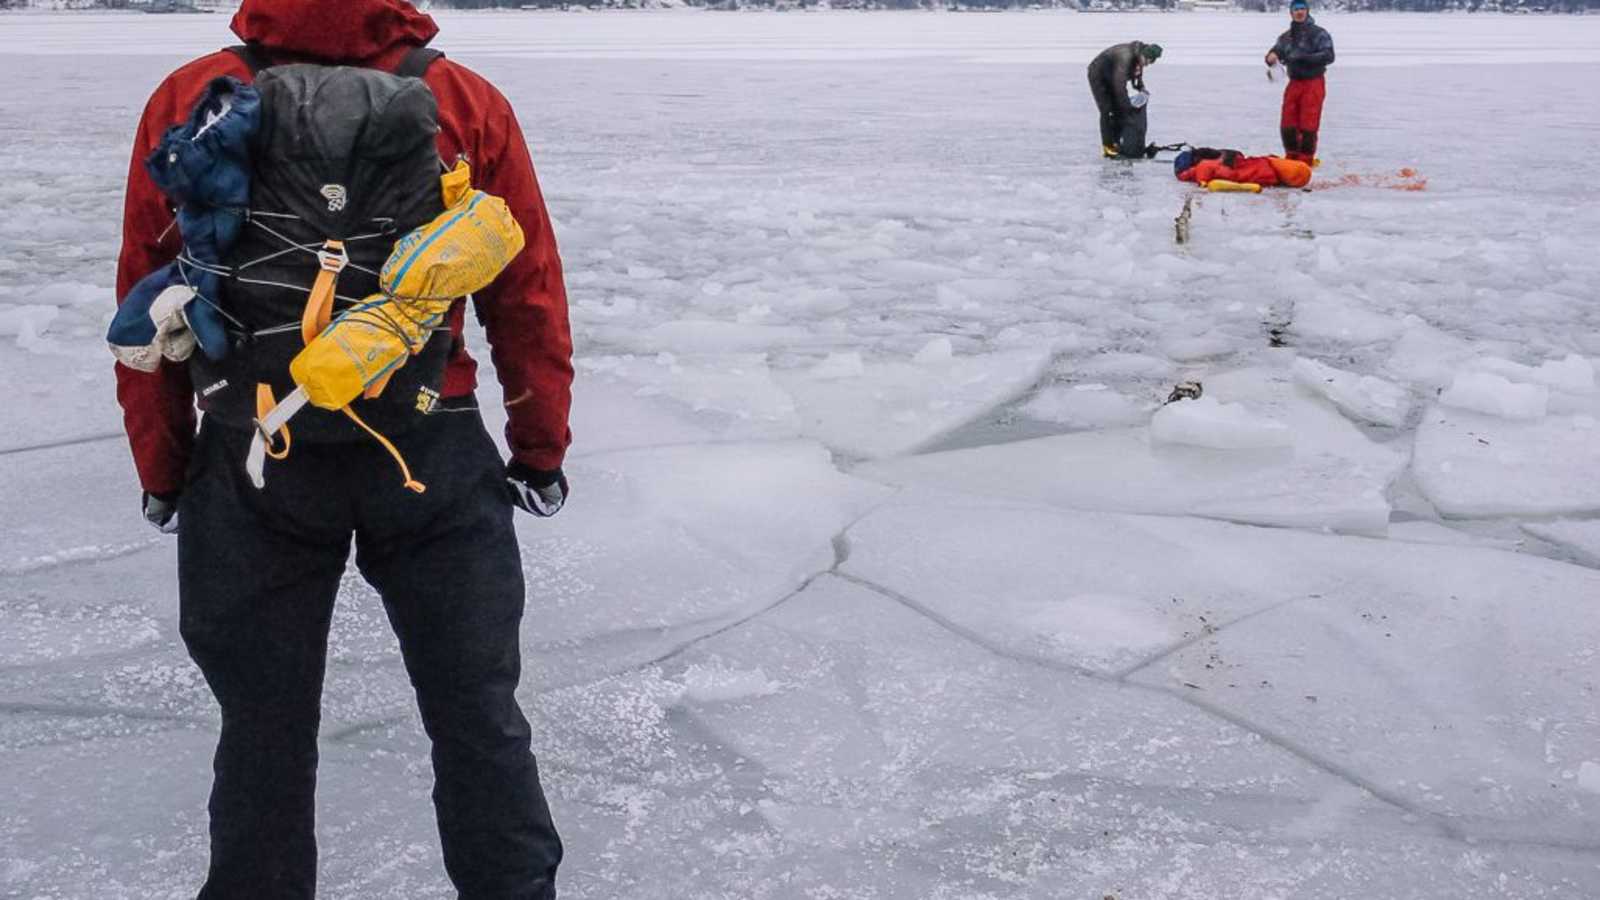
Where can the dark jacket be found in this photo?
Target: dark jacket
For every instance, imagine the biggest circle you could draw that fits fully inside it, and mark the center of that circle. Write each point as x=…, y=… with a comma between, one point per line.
x=1115, y=68
x=524, y=312
x=1306, y=49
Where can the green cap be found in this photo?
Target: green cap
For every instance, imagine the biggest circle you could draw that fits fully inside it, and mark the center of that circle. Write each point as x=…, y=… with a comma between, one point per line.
x=1151, y=52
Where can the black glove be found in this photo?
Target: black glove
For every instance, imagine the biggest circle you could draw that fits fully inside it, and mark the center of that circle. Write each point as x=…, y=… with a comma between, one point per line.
x=161, y=511
x=540, y=491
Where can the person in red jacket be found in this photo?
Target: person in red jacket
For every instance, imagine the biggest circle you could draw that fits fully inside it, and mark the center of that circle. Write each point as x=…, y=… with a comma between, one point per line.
x=1306, y=50
x=259, y=570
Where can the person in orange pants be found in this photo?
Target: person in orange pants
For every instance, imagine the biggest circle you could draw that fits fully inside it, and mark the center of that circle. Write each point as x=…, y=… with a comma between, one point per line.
x=1306, y=49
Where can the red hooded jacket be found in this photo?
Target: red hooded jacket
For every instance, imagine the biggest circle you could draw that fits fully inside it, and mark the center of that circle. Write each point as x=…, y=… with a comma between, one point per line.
x=524, y=312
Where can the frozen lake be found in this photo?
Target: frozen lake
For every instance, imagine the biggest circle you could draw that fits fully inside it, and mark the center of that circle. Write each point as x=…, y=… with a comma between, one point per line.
x=885, y=574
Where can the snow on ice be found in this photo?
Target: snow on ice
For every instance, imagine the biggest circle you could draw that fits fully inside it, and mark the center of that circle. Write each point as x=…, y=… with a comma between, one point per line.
x=888, y=571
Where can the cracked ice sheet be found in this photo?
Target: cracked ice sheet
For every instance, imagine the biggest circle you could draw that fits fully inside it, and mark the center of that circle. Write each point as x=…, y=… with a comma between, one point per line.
x=1091, y=591
x=1460, y=680
x=850, y=748
x=858, y=750
x=668, y=543
x=136, y=827
x=1474, y=465
x=1333, y=478
x=71, y=379
x=99, y=637
x=46, y=494
x=90, y=604
x=74, y=612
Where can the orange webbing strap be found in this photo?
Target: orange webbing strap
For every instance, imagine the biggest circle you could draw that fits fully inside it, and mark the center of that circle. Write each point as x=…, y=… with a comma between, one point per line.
x=319, y=303
x=411, y=483
x=265, y=403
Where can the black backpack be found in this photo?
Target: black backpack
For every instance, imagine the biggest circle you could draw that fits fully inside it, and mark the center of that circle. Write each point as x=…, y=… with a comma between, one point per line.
x=343, y=154
x=1131, y=139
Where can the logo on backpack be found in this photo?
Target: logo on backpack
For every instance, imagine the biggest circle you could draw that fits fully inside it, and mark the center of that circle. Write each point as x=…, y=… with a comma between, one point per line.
x=335, y=195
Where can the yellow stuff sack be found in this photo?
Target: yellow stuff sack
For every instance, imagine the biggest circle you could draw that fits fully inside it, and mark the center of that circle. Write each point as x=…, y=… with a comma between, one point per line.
x=460, y=251
x=363, y=347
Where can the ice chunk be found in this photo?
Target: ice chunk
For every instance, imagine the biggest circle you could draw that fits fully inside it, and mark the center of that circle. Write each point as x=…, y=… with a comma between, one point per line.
x=1334, y=478
x=707, y=336
x=1470, y=464
x=70, y=293
x=27, y=323
x=1221, y=426
x=1426, y=356
x=673, y=536
x=1574, y=374
x=896, y=407
x=631, y=401
x=1580, y=538
x=1205, y=346
x=1086, y=406
x=1422, y=531
x=1335, y=319
x=839, y=365
x=936, y=352
x=1589, y=776
x=1363, y=397
x=1057, y=336
x=1485, y=392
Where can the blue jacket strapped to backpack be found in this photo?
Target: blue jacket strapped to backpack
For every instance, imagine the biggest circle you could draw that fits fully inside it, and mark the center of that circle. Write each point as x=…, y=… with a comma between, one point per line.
x=203, y=166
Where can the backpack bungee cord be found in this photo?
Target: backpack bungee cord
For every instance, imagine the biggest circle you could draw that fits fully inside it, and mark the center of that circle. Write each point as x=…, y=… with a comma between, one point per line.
x=354, y=355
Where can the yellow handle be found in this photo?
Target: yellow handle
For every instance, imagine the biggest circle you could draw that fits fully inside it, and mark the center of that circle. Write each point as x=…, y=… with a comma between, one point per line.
x=1224, y=186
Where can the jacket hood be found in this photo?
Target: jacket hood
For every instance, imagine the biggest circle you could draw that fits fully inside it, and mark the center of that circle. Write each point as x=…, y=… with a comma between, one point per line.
x=342, y=31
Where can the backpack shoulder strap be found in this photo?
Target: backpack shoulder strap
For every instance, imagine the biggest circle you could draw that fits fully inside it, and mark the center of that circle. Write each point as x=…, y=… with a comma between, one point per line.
x=251, y=55
x=416, y=63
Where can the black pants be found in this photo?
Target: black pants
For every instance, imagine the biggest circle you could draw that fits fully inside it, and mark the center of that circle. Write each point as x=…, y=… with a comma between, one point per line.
x=258, y=571
x=1110, y=121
